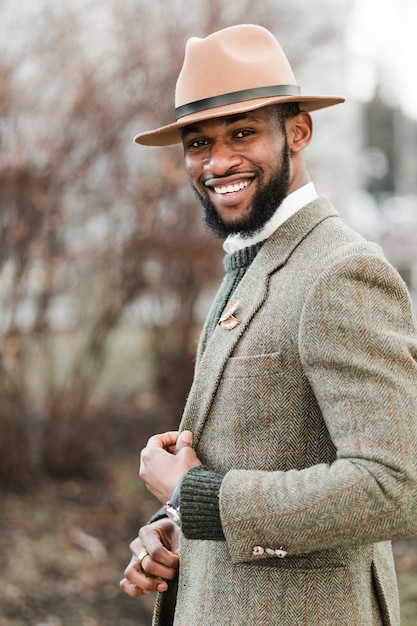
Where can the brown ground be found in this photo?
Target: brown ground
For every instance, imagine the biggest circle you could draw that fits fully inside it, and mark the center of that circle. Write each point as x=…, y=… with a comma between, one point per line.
x=64, y=545
x=63, y=548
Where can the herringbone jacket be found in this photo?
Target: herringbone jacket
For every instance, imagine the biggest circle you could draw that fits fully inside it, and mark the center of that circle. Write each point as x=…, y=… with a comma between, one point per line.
x=308, y=407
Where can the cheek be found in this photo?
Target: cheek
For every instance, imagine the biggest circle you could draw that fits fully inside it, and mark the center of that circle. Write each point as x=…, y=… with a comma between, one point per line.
x=193, y=169
x=275, y=162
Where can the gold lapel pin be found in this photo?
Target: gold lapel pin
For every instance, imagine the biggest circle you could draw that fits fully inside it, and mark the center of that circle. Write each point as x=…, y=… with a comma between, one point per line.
x=228, y=321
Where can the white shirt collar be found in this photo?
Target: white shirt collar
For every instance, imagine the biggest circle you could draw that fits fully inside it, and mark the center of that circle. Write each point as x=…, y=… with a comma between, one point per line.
x=290, y=205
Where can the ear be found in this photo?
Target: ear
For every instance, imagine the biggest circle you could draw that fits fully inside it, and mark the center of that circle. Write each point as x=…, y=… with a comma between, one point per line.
x=299, y=131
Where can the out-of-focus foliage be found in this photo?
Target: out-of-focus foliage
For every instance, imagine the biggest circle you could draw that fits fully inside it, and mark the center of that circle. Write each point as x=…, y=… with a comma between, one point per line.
x=96, y=233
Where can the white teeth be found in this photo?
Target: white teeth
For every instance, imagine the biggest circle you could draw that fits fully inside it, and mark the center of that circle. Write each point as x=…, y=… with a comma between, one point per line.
x=231, y=188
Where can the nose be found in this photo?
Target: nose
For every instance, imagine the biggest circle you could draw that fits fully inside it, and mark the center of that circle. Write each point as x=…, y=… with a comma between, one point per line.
x=221, y=158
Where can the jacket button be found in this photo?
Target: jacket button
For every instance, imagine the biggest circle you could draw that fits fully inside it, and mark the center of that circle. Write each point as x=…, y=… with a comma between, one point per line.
x=281, y=553
x=258, y=551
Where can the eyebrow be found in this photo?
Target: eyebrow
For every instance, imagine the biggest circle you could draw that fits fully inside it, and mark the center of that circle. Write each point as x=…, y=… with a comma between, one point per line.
x=229, y=120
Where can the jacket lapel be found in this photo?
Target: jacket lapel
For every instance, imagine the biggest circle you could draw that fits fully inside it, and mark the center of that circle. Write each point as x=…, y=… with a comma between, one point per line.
x=250, y=294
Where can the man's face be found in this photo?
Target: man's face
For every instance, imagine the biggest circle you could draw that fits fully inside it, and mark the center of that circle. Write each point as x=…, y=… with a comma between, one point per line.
x=240, y=169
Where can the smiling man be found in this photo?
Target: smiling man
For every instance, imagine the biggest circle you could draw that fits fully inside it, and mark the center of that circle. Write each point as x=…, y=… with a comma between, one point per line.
x=295, y=461
x=240, y=167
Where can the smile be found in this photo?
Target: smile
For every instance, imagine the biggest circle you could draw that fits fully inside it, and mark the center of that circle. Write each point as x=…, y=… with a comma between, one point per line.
x=231, y=188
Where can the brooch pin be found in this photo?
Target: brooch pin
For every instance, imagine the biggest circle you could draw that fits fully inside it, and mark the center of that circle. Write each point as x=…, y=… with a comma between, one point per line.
x=228, y=321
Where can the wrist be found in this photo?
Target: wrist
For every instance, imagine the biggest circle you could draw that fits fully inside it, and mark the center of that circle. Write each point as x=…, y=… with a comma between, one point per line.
x=172, y=507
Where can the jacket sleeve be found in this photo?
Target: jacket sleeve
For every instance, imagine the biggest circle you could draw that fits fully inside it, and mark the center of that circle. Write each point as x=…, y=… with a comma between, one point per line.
x=357, y=344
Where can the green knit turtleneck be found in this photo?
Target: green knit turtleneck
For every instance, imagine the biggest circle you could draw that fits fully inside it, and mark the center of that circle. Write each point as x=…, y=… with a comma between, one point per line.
x=235, y=265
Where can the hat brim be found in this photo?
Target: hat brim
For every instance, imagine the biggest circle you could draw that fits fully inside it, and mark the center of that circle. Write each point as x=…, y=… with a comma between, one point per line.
x=170, y=134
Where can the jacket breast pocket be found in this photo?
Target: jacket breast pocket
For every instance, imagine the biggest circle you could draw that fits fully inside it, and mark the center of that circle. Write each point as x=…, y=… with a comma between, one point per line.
x=258, y=417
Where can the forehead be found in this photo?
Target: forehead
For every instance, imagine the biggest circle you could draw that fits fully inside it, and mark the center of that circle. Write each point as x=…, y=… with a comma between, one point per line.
x=265, y=115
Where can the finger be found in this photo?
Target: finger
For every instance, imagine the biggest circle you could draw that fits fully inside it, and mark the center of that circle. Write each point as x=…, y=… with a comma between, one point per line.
x=159, y=561
x=139, y=578
x=136, y=590
x=164, y=440
x=131, y=589
x=136, y=546
x=185, y=440
x=155, y=569
x=161, y=540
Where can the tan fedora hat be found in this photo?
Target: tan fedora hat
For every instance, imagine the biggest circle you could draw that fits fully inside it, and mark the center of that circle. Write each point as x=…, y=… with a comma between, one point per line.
x=236, y=69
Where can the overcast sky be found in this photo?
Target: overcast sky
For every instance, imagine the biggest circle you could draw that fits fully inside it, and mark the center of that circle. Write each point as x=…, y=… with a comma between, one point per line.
x=382, y=44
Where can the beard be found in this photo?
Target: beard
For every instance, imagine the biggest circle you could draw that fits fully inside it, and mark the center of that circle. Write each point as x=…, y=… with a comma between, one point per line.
x=264, y=204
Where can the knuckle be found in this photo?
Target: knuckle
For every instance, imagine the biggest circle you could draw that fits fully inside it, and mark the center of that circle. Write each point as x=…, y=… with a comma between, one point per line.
x=135, y=545
x=156, y=552
x=128, y=570
x=143, y=532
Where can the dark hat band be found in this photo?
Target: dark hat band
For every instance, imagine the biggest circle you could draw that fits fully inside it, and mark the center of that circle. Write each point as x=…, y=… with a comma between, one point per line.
x=237, y=96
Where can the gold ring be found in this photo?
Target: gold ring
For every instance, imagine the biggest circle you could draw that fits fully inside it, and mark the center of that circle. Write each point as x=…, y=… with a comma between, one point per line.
x=140, y=557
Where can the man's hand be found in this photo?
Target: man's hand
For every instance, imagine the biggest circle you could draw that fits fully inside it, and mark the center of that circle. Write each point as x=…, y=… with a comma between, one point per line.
x=159, y=541
x=165, y=461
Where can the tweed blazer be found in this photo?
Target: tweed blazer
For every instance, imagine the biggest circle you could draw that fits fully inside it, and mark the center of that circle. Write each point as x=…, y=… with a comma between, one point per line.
x=308, y=407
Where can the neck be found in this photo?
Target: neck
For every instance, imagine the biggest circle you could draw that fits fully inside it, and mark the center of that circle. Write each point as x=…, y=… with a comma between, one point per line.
x=300, y=175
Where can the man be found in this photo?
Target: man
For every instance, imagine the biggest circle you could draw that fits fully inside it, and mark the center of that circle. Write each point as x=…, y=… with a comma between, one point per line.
x=296, y=460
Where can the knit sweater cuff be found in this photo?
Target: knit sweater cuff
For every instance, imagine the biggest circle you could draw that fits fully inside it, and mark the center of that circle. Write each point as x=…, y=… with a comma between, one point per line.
x=199, y=505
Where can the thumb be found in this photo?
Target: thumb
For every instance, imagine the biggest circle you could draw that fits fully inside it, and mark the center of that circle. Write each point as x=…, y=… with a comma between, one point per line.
x=185, y=440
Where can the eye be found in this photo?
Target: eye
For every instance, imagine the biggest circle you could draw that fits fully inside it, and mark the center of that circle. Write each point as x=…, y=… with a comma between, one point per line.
x=244, y=133
x=197, y=143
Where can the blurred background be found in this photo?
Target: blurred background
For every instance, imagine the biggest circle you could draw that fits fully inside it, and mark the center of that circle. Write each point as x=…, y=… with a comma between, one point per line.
x=106, y=272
